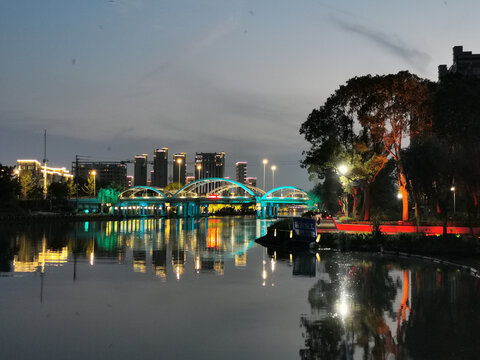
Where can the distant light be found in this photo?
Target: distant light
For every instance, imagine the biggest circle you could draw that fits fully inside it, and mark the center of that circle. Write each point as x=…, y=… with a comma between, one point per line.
x=452, y=188
x=399, y=195
x=265, y=161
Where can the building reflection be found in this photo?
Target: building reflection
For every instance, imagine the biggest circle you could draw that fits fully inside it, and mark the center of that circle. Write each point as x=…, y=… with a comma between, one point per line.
x=156, y=246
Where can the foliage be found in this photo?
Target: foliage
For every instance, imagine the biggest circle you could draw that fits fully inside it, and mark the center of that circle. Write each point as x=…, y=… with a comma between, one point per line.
x=415, y=243
x=89, y=188
x=174, y=186
x=29, y=185
x=72, y=188
x=109, y=195
x=385, y=109
x=9, y=188
x=57, y=191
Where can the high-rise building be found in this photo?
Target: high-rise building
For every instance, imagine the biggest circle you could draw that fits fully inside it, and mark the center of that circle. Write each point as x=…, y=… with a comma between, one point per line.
x=241, y=171
x=464, y=62
x=140, y=171
x=107, y=172
x=160, y=167
x=252, y=181
x=209, y=165
x=179, y=168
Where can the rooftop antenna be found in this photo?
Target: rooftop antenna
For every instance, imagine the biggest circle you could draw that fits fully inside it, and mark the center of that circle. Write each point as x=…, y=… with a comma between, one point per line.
x=45, y=160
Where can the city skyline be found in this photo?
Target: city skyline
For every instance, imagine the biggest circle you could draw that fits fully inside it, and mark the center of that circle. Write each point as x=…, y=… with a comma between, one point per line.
x=113, y=78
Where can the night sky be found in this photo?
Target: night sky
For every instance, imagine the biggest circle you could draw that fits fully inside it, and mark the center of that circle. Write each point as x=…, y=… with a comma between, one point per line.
x=114, y=78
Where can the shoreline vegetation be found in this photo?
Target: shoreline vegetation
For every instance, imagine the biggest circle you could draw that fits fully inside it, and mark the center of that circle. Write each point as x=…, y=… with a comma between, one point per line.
x=456, y=245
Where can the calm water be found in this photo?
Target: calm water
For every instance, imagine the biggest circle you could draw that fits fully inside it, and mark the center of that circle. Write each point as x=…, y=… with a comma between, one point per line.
x=177, y=289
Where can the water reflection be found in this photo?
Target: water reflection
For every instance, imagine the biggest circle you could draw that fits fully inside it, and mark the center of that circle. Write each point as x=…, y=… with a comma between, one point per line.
x=374, y=308
x=156, y=246
x=150, y=272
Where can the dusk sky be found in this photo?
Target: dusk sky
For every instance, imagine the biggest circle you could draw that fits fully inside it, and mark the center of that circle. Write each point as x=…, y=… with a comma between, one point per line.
x=114, y=78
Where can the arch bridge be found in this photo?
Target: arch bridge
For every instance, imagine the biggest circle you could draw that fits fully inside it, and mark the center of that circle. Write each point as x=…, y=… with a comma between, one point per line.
x=194, y=198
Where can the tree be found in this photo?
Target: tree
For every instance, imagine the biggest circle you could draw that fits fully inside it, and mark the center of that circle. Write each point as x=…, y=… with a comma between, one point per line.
x=57, y=191
x=386, y=109
x=109, y=195
x=89, y=186
x=72, y=188
x=174, y=186
x=456, y=119
x=9, y=186
x=28, y=184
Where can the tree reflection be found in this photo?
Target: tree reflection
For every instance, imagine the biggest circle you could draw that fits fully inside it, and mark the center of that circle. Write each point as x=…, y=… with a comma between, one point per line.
x=331, y=333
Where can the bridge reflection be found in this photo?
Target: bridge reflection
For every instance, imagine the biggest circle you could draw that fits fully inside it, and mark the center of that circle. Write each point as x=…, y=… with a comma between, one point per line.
x=163, y=247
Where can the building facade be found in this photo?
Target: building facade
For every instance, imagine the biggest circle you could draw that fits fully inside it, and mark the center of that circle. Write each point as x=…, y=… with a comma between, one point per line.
x=107, y=172
x=140, y=170
x=464, y=62
x=252, y=181
x=209, y=165
x=160, y=167
x=179, y=168
x=42, y=173
x=241, y=172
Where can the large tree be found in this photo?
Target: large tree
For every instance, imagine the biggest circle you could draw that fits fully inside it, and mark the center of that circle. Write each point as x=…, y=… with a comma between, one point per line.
x=385, y=110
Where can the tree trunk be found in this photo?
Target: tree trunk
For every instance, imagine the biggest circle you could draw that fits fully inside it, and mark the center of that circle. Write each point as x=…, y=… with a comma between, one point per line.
x=366, y=202
x=402, y=182
x=354, y=209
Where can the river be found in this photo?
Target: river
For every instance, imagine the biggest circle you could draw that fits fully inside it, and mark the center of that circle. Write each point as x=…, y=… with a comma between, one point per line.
x=203, y=289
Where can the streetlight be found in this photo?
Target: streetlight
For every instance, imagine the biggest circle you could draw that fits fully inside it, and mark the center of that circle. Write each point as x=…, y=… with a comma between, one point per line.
x=94, y=173
x=199, y=167
x=454, y=204
x=265, y=162
x=179, y=162
x=343, y=169
x=274, y=167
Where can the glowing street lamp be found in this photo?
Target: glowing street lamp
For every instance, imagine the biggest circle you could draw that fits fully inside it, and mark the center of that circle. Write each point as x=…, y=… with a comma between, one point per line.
x=265, y=162
x=343, y=169
x=454, y=204
x=94, y=173
x=274, y=167
x=179, y=162
x=199, y=167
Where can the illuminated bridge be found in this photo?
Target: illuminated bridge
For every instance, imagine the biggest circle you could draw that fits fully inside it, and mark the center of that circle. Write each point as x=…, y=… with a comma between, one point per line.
x=195, y=198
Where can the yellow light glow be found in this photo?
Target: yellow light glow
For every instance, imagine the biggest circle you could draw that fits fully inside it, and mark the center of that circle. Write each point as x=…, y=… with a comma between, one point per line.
x=265, y=161
x=274, y=167
x=93, y=172
x=343, y=169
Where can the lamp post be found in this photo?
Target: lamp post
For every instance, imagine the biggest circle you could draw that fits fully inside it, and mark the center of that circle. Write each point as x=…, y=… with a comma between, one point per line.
x=199, y=167
x=179, y=162
x=94, y=173
x=274, y=167
x=343, y=169
x=265, y=162
x=454, y=204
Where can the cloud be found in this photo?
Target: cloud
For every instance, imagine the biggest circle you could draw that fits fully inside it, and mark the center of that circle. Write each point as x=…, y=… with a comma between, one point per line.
x=214, y=34
x=393, y=44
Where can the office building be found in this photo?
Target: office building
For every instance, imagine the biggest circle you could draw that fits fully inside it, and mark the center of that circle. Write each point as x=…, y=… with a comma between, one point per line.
x=179, y=168
x=39, y=172
x=241, y=171
x=107, y=172
x=464, y=62
x=209, y=165
x=140, y=170
x=160, y=167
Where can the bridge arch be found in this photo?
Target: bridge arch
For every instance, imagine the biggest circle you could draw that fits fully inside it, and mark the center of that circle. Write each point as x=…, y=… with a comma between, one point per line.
x=192, y=189
x=143, y=192
x=286, y=192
